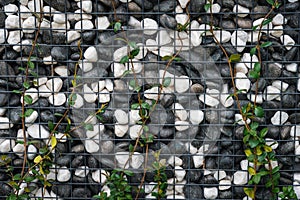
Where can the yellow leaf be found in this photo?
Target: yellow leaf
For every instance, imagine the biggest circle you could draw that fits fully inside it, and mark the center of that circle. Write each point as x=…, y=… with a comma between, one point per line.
x=38, y=159
x=251, y=171
x=249, y=192
x=53, y=142
x=41, y=170
x=69, y=121
x=248, y=152
x=268, y=148
x=258, y=151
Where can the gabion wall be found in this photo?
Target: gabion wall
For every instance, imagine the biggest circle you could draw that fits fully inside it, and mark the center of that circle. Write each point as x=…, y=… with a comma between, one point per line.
x=195, y=125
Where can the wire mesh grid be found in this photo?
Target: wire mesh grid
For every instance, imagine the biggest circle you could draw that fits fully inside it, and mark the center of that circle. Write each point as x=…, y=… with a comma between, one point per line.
x=80, y=161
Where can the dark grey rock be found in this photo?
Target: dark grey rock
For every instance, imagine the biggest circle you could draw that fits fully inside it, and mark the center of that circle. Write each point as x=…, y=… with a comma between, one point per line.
x=290, y=55
x=285, y=130
x=168, y=100
x=225, y=194
x=273, y=71
x=4, y=96
x=193, y=192
x=42, y=103
x=15, y=115
x=88, y=36
x=246, y=3
x=166, y=132
x=294, y=118
x=291, y=32
x=64, y=160
x=60, y=53
x=286, y=148
x=226, y=162
x=77, y=161
x=97, y=7
x=209, y=179
x=244, y=23
x=59, y=5
x=210, y=163
x=2, y=18
x=226, y=3
x=270, y=108
x=62, y=190
x=50, y=37
x=293, y=21
x=168, y=21
x=196, y=6
x=195, y=175
x=147, y=5
x=110, y=3
x=227, y=24
x=289, y=77
x=5, y=2
x=47, y=116
x=5, y=189
x=259, y=11
x=92, y=162
x=212, y=116
x=263, y=194
x=287, y=160
x=6, y=72
x=273, y=132
x=165, y=6
x=10, y=55
x=290, y=7
x=261, y=85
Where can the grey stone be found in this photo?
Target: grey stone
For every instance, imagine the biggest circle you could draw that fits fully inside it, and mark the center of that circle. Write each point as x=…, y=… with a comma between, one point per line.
x=165, y=6
x=290, y=55
x=147, y=5
x=285, y=131
x=290, y=7
x=168, y=21
x=7, y=72
x=244, y=23
x=2, y=18
x=193, y=192
x=59, y=5
x=286, y=148
x=60, y=53
x=4, y=96
x=272, y=71
x=5, y=189
x=227, y=24
x=259, y=11
x=62, y=190
x=15, y=115
x=246, y=3
x=64, y=160
x=47, y=116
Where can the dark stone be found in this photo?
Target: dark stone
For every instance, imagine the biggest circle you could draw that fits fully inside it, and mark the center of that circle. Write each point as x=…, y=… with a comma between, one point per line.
x=147, y=5
x=194, y=175
x=287, y=159
x=238, y=192
x=50, y=37
x=286, y=148
x=63, y=190
x=272, y=70
x=10, y=55
x=261, y=85
x=5, y=2
x=97, y=7
x=210, y=163
x=286, y=181
x=263, y=194
x=75, y=56
x=165, y=6
x=42, y=103
x=226, y=162
x=168, y=21
x=259, y=11
x=88, y=36
x=270, y=108
x=59, y=5
x=227, y=24
x=77, y=179
x=6, y=72
x=121, y=15
x=209, y=179
x=293, y=21
x=289, y=77
x=243, y=22
x=64, y=160
x=196, y=6
x=290, y=55
x=246, y=3
x=47, y=115
x=92, y=162
x=5, y=189
x=226, y=3
x=166, y=132
x=77, y=161
x=273, y=132
x=168, y=100
x=60, y=53
x=290, y=7
x=285, y=130
x=2, y=18
x=110, y=3
x=227, y=194
x=193, y=192
x=294, y=118
x=291, y=32
x=15, y=115
x=4, y=96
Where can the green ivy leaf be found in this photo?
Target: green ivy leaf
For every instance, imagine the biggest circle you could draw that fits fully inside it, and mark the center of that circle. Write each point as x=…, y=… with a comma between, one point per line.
x=207, y=7
x=235, y=58
x=29, y=179
x=253, y=143
x=128, y=172
x=257, y=67
x=132, y=44
x=263, y=132
x=28, y=112
x=30, y=65
x=167, y=81
x=256, y=178
x=253, y=74
x=28, y=99
x=26, y=84
x=50, y=125
x=259, y=111
x=267, y=21
x=255, y=27
x=88, y=127
x=124, y=59
x=266, y=44
x=254, y=125
x=135, y=106
x=271, y=2
x=132, y=83
x=135, y=52
x=253, y=51
x=117, y=26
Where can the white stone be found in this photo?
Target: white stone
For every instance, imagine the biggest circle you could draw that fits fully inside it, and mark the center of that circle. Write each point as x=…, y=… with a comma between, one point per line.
x=175, y=196
x=104, y=96
x=277, y=31
x=279, y=118
x=179, y=173
x=198, y=159
x=271, y=93
x=272, y=143
x=215, y=8
x=118, y=69
x=183, y=3
x=98, y=86
x=239, y=39
x=54, y=84
x=5, y=123
x=242, y=82
x=240, y=177
x=244, y=165
x=38, y=131
x=48, y=60
x=59, y=18
x=120, y=53
x=109, y=85
x=149, y=187
x=84, y=25
x=295, y=131
x=122, y=159
x=86, y=6
x=72, y=36
x=3, y=35
x=239, y=119
x=23, y=2
x=19, y=150
x=210, y=192
x=253, y=36
x=135, y=131
x=179, y=111
x=85, y=65
x=142, y=53
x=293, y=67
x=248, y=60
x=196, y=116
x=152, y=93
x=57, y=27
x=298, y=85
x=31, y=152
x=19, y=47
x=44, y=91
x=175, y=161
x=137, y=66
x=121, y=116
x=61, y=70
x=29, y=25
x=190, y=148
x=45, y=24
x=222, y=36
x=293, y=1
x=33, y=93
x=82, y=171
x=63, y=174
x=102, y=23
x=151, y=45
x=24, y=12
x=296, y=188
x=6, y=145
x=219, y=175
x=280, y=85
x=287, y=41
x=182, y=18
x=265, y=28
x=80, y=15
x=134, y=22
x=137, y=160
x=97, y=128
x=13, y=21
x=209, y=100
x=182, y=84
x=14, y=37
x=49, y=11
x=91, y=54
x=278, y=19
x=134, y=116
x=179, y=186
x=78, y=102
x=163, y=37
x=274, y=163
x=149, y=26
x=196, y=38
x=181, y=125
x=224, y=184
x=166, y=74
x=91, y=146
x=120, y=130
x=30, y=119
x=89, y=96
x=2, y=111
x=57, y=99
x=224, y=98
x=99, y=176
x=297, y=177
x=35, y=6
x=165, y=50
x=20, y=135
x=10, y=9
x=241, y=11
